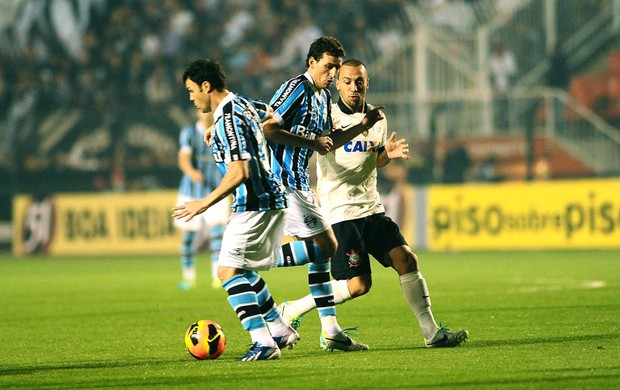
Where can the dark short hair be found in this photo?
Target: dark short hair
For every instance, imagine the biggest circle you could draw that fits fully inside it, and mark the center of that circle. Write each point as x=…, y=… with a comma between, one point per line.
x=325, y=44
x=206, y=70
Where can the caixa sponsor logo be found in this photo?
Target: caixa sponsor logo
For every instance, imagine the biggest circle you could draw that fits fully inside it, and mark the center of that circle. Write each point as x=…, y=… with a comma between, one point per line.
x=359, y=146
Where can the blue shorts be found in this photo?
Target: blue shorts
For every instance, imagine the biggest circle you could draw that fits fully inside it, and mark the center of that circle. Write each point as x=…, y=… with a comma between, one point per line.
x=374, y=235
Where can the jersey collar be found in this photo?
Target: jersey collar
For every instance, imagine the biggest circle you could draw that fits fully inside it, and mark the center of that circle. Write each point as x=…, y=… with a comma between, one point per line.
x=219, y=109
x=309, y=77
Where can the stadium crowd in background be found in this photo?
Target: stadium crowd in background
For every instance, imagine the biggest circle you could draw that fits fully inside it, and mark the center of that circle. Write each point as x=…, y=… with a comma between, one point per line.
x=115, y=58
x=111, y=60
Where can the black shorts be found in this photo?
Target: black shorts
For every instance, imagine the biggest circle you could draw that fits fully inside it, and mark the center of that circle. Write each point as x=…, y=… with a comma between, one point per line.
x=375, y=235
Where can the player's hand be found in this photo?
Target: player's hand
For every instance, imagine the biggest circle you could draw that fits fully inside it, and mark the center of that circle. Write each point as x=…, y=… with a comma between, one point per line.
x=188, y=210
x=323, y=145
x=396, y=149
x=196, y=177
x=373, y=116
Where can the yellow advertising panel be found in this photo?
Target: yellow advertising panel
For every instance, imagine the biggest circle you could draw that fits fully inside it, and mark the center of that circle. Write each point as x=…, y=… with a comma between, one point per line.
x=565, y=214
x=95, y=224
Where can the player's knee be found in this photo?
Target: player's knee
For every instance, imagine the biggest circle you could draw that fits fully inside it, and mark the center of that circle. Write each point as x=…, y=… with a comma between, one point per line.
x=329, y=250
x=412, y=260
x=327, y=243
x=327, y=246
x=225, y=273
x=404, y=260
x=359, y=286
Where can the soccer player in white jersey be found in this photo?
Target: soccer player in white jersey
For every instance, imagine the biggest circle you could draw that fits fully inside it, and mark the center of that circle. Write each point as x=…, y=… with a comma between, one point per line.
x=200, y=176
x=347, y=187
x=252, y=239
x=300, y=126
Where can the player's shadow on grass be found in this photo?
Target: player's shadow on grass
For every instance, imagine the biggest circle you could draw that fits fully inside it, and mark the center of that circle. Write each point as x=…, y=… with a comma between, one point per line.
x=540, y=381
x=597, y=340
x=86, y=366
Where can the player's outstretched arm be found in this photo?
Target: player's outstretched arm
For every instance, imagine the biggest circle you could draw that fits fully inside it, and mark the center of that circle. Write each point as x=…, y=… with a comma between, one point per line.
x=342, y=137
x=237, y=173
x=393, y=149
x=275, y=133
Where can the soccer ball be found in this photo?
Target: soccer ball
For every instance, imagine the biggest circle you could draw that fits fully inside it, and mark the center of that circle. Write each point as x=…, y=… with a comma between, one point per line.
x=205, y=339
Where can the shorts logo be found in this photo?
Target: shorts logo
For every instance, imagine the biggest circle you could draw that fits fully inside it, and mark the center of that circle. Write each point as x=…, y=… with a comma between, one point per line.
x=354, y=258
x=310, y=221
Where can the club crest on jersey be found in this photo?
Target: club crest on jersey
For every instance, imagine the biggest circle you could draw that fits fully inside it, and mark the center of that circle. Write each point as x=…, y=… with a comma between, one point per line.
x=359, y=146
x=251, y=114
x=354, y=258
x=310, y=221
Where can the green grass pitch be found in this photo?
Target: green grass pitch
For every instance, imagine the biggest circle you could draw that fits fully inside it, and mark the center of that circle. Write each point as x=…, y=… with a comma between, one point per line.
x=537, y=320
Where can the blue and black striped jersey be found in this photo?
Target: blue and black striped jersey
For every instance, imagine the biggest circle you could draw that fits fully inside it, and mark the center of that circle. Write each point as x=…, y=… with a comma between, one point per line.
x=301, y=109
x=191, y=139
x=237, y=135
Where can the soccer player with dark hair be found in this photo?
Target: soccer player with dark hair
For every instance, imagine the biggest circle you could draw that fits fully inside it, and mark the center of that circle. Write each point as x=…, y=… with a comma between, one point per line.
x=253, y=236
x=300, y=126
x=347, y=187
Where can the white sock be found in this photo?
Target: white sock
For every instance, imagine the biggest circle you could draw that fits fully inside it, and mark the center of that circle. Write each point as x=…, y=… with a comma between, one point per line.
x=214, y=270
x=341, y=291
x=189, y=273
x=341, y=294
x=277, y=327
x=262, y=337
x=301, y=306
x=329, y=324
x=417, y=296
x=304, y=305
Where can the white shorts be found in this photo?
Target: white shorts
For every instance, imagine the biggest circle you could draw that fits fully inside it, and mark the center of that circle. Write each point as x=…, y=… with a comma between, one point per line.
x=304, y=217
x=217, y=214
x=252, y=240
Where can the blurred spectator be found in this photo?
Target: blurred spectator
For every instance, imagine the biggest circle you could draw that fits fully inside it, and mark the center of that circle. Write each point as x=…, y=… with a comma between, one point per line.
x=237, y=25
x=542, y=170
x=456, y=162
x=558, y=77
x=502, y=65
x=158, y=87
x=454, y=14
x=296, y=43
x=487, y=170
x=503, y=70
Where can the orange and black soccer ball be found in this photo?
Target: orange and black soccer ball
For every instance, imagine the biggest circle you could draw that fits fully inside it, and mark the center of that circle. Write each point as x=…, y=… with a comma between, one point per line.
x=205, y=339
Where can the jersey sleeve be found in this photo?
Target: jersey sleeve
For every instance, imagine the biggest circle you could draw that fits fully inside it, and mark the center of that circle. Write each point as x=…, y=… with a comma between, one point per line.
x=235, y=149
x=287, y=100
x=185, y=137
x=262, y=109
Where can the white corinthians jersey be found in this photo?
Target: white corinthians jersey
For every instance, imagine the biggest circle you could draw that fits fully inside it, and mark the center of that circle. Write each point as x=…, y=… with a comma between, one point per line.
x=347, y=177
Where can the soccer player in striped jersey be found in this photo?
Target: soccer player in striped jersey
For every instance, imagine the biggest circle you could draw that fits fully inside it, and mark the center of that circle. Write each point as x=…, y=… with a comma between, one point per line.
x=200, y=176
x=301, y=125
x=347, y=186
x=253, y=236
